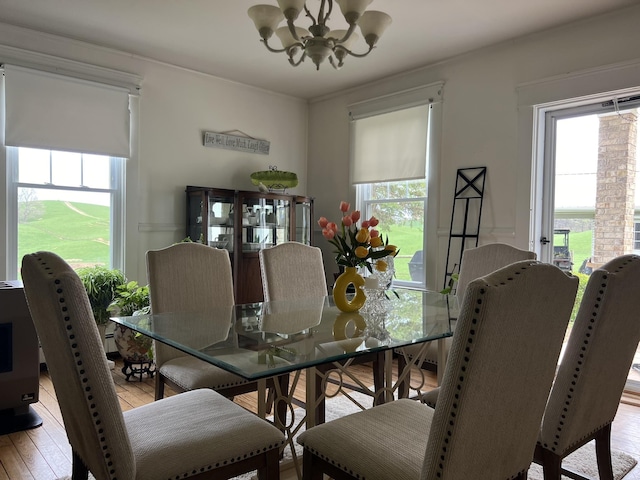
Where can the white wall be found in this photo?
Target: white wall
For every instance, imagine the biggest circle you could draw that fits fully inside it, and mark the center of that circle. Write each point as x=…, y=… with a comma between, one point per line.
x=487, y=120
x=174, y=108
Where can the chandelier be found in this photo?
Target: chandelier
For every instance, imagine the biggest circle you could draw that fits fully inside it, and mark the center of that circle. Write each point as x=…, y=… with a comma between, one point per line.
x=318, y=41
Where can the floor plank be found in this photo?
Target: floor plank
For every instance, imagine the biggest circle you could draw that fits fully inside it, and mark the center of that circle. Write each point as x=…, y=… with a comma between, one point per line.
x=44, y=453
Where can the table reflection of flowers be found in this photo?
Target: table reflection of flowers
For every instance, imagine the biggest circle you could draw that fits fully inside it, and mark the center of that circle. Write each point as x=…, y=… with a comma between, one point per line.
x=356, y=246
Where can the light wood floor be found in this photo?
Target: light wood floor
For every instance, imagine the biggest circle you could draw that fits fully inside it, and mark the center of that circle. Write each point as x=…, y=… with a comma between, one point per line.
x=44, y=454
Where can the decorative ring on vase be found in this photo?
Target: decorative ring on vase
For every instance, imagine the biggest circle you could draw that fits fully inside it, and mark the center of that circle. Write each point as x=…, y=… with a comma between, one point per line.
x=350, y=276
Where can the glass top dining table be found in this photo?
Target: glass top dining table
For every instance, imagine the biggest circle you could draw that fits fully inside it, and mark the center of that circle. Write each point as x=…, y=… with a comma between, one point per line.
x=260, y=340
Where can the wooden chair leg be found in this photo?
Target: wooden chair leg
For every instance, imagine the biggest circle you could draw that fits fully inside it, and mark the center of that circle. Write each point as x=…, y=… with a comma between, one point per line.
x=603, y=453
x=79, y=470
x=378, y=378
x=271, y=469
x=159, y=386
x=403, y=388
x=310, y=470
x=551, y=463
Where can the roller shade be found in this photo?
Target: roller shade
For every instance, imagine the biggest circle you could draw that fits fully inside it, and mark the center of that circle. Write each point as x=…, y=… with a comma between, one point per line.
x=56, y=112
x=389, y=135
x=391, y=146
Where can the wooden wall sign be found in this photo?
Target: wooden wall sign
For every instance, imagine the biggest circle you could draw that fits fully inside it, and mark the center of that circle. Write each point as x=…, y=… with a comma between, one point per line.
x=236, y=142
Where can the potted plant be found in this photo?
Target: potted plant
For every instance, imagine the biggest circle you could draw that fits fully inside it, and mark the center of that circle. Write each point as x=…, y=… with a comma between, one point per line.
x=100, y=283
x=134, y=348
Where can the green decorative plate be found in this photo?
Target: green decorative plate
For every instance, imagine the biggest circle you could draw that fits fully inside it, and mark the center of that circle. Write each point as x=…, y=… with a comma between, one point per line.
x=275, y=179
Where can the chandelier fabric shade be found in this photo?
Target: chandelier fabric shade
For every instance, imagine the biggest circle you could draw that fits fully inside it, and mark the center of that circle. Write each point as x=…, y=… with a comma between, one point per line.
x=318, y=41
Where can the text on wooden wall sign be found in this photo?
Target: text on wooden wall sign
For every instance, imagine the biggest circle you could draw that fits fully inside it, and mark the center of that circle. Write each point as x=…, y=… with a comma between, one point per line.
x=236, y=142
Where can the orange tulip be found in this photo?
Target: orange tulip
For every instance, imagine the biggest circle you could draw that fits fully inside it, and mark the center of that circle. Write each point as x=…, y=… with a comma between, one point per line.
x=376, y=242
x=361, y=252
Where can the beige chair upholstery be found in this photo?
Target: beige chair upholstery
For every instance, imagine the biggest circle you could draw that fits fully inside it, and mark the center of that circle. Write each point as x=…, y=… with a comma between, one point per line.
x=191, y=277
x=294, y=270
x=198, y=434
x=594, y=368
x=476, y=262
x=493, y=395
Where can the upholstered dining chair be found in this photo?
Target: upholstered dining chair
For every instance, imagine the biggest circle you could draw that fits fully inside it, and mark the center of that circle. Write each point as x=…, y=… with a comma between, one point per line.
x=593, y=370
x=192, y=277
x=493, y=394
x=197, y=434
x=475, y=263
x=293, y=270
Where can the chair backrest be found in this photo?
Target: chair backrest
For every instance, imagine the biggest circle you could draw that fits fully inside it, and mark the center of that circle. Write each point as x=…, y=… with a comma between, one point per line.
x=496, y=382
x=599, y=353
x=480, y=261
x=76, y=360
x=292, y=270
x=187, y=277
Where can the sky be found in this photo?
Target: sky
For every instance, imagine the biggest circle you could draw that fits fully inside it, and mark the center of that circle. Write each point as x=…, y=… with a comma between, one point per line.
x=577, y=163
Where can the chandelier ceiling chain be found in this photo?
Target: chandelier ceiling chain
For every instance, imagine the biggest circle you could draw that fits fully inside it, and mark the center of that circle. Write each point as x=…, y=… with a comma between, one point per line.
x=318, y=41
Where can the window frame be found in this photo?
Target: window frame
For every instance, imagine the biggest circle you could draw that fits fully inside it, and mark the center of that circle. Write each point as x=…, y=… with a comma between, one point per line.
x=116, y=191
x=364, y=204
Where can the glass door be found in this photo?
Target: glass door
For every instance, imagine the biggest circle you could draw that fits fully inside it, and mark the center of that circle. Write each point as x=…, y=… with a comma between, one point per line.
x=591, y=190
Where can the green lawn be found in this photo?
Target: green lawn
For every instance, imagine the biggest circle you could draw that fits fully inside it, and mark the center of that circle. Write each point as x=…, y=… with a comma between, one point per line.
x=78, y=232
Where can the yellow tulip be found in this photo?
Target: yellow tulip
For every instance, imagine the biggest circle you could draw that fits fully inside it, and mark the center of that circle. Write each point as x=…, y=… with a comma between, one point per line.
x=391, y=249
x=376, y=242
x=361, y=252
x=362, y=236
x=381, y=266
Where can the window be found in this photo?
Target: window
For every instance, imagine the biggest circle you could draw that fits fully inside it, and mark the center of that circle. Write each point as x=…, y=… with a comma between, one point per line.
x=636, y=242
x=66, y=203
x=67, y=140
x=390, y=153
x=400, y=207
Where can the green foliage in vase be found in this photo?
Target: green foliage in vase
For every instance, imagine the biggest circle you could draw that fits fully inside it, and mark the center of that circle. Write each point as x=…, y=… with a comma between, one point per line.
x=100, y=283
x=130, y=298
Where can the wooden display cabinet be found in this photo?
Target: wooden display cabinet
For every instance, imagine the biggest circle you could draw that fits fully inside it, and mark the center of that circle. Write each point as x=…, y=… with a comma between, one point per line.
x=243, y=223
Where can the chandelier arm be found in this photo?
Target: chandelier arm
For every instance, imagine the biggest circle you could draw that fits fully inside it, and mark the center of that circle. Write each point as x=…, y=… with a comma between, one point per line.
x=358, y=55
x=274, y=50
x=322, y=18
x=292, y=30
x=346, y=36
x=294, y=63
x=333, y=63
x=310, y=15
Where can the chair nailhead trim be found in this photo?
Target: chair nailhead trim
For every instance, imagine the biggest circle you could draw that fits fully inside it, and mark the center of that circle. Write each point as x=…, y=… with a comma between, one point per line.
x=592, y=321
x=76, y=349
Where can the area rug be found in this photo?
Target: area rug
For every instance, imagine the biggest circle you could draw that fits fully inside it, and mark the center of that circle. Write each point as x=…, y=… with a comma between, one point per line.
x=582, y=461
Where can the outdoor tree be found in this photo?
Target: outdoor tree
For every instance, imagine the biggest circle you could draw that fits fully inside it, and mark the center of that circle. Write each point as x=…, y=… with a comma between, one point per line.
x=29, y=208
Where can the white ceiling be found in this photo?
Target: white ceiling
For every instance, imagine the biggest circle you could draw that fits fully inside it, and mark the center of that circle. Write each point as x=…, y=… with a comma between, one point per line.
x=217, y=37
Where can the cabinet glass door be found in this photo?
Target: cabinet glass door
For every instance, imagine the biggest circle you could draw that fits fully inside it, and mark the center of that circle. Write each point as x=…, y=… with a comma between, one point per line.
x=195, y=215
x=303, y=222
x=265, y=223
x=220, y=221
